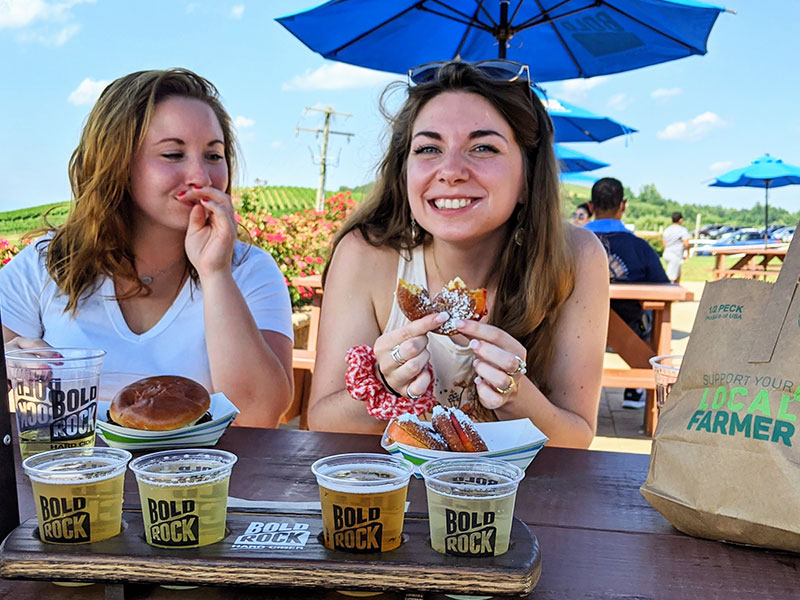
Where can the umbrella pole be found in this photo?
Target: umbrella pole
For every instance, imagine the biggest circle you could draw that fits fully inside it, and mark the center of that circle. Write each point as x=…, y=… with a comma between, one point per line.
x=503, y=33
x=766, y=211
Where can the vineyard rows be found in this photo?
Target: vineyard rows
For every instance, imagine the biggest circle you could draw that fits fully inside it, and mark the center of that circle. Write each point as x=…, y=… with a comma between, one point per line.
x=278, y=200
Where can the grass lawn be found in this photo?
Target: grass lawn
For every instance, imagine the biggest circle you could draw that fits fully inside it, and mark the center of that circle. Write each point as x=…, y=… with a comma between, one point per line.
x=699, y=268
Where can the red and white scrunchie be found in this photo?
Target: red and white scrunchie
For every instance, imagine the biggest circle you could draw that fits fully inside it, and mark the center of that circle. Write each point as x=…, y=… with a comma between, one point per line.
x=362, y=384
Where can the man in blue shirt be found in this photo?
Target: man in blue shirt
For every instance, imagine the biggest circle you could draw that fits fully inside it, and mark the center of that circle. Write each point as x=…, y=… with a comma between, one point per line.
x=630, y=260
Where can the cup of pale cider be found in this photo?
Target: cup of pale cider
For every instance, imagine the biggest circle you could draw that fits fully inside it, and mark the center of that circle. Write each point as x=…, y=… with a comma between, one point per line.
x=471, y=504
x=78, y=493
x=184, y=496
x=363, y=498
x=54, y=395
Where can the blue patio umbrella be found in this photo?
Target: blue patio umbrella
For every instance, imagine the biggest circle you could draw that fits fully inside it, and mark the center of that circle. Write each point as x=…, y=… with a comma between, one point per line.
x=573, y=161
x=559, y=39
x=764, y=172
x=574, y=124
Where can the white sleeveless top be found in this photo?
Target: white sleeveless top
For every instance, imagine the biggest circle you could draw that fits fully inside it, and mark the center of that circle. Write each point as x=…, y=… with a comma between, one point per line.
x=454, y=375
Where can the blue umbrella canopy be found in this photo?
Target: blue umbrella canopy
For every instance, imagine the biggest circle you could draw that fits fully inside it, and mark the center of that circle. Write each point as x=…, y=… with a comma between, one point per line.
x=559, y=39
x=573, y=161
x=764, y=172
x=575, y=124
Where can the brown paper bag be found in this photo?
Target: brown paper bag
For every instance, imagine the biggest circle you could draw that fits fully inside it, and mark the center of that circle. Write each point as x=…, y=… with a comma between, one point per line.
x=725, y=462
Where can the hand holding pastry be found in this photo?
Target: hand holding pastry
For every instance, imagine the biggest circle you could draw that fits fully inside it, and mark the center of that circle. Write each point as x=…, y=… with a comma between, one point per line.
x=499, y=362
x=402, y=355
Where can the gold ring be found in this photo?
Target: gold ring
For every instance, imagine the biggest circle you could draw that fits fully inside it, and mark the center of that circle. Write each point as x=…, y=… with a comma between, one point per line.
x=522, y=367
x=398, y=358
x=511, y=385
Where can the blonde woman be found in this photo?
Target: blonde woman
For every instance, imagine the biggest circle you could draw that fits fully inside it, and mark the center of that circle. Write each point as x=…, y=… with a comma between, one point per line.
x=147, y=265
x=468, y=187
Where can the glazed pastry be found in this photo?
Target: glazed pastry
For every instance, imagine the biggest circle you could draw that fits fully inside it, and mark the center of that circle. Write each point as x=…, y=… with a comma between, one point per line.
x=455, y=298
x=408, y=429
x=457, y=429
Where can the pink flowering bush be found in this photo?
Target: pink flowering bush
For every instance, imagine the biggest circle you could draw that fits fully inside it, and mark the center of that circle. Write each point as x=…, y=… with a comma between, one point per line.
x=299, y=242
x=7, y=251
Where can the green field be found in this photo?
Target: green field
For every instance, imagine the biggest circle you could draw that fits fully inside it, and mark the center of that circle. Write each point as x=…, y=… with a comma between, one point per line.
x=278, y=200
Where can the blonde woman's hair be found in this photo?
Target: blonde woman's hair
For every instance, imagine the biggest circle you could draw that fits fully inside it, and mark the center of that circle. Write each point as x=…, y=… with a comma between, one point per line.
x=536, y=270
x=97, y=239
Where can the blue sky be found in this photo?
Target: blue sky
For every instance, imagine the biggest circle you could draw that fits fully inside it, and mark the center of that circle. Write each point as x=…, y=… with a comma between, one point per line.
x=697, y=117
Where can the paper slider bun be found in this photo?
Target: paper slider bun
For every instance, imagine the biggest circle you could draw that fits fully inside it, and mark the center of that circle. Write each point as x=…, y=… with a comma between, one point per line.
x=455, y=298
x=160, y=403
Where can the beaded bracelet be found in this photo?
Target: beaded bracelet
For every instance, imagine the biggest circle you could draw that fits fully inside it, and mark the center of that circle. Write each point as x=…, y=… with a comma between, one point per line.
x=362, y=384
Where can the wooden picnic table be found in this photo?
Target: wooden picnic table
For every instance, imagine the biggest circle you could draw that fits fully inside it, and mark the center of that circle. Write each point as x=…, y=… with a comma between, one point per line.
x=657, y=297
x=637, y=353
x=599, y=538
x=754, y=262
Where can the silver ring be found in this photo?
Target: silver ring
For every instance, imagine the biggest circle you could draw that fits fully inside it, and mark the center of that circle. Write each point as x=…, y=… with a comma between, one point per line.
x=511, y=385
x=410, y=395
x=398, y=358
x=522, y=367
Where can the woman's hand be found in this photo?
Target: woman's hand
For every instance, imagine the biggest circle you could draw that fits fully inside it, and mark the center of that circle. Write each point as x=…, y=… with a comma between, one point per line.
x=401, y=355
x=24, y=343
x=499, y=362
x=211, y=234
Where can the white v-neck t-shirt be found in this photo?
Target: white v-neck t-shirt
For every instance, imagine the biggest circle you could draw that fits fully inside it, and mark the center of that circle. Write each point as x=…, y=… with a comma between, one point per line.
x=32, y=306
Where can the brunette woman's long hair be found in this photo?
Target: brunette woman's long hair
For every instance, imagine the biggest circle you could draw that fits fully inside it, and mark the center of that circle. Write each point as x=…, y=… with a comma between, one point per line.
x=536, y=270
x=97, y=239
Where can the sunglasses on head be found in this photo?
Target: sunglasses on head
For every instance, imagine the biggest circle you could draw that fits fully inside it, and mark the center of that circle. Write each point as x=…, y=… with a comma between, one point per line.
x=497, y=69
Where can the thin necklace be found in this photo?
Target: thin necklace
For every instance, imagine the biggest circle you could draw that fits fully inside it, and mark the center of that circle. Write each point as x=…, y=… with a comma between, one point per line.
x=148, y=279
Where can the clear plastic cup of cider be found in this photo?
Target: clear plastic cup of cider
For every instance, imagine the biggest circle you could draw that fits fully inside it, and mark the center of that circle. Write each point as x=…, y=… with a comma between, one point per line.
x=78, y=493
x=184, y=496
x=471, y=504
x=363, y=498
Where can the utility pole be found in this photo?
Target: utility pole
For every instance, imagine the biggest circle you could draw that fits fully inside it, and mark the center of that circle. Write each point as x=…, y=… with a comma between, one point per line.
x=323, y=161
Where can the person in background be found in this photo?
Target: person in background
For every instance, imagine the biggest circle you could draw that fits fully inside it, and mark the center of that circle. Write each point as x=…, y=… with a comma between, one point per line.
x=630, y=260
x=582, y=214
x=676, y=247
x=147, y=266
x=468, y=187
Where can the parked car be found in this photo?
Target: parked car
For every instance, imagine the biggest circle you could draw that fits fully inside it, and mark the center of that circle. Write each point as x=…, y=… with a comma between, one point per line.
x=786, y=235
x=704, y=231
x=718, y=233
x=744, y=238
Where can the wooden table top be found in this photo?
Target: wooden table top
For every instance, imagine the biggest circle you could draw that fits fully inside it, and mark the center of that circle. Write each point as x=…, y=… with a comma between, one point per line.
x=620, y=291
x=599, y=537
x=755, y=250
x=669, y=292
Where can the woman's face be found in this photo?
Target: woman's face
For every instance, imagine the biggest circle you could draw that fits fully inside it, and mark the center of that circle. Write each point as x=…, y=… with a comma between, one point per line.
x=465, y=168
x=580, y=217
x=183, y=147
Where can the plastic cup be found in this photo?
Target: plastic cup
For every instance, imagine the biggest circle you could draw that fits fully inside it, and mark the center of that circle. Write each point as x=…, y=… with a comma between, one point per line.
x=665, y=369
x=54, y=394
x=363, y=498
x=471, y=504
x=184, y=496
x=78, y=493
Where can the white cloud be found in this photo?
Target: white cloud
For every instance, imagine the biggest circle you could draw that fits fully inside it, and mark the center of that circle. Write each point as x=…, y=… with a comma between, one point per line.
x=619, y=101
x=237, y=11
x=276, y=144
x=576, y=89
x=242, y=122
x=664, y=93
x=87, y=92
x=338, y=76
x=692, y=130
x=722, y=165
x=49, y=23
